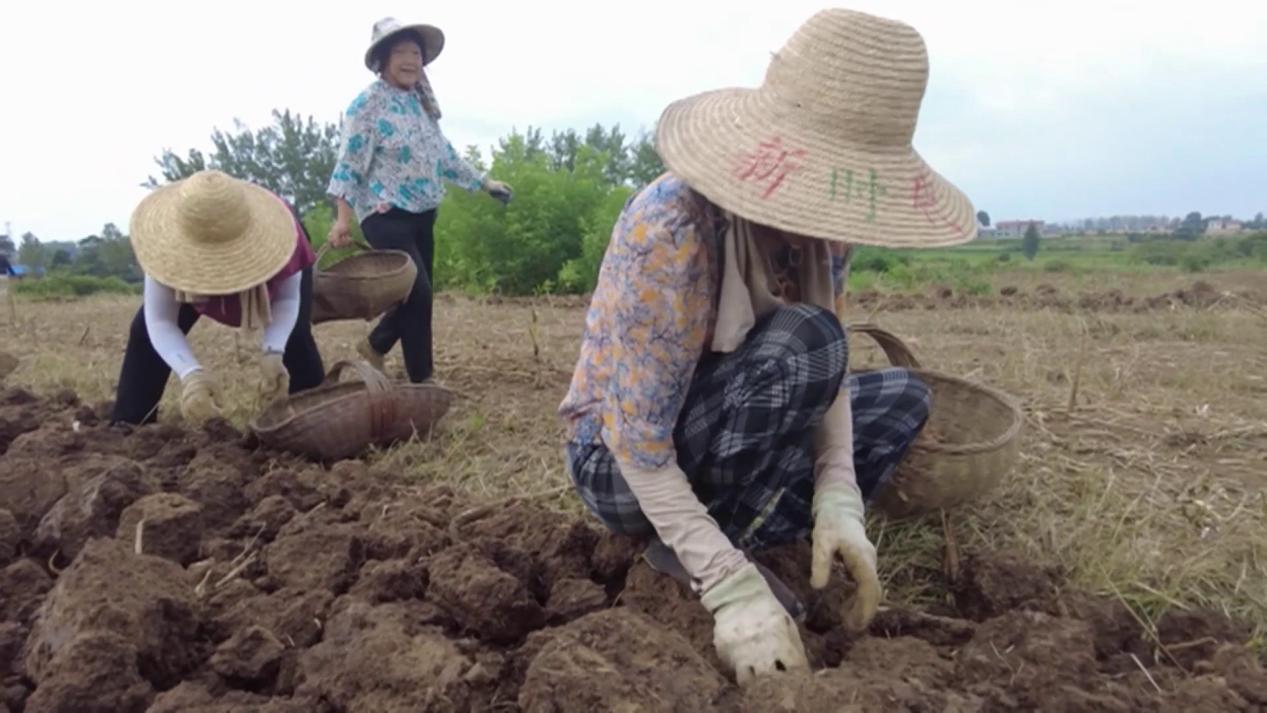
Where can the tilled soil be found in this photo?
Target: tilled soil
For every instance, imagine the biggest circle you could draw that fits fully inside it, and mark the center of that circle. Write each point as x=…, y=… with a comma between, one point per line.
x=161, y=570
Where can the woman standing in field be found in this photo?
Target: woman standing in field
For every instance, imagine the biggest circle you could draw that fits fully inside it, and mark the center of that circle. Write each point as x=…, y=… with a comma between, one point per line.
x=706, y=410
x=215, y=246
x=390, y=175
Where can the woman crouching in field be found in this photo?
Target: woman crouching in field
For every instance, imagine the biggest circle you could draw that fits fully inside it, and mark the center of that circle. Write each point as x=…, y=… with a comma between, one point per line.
x=706, y=410
x=214, y=246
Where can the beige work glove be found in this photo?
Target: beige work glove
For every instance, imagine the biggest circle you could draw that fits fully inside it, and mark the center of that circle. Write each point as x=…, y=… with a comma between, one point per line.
x=752, y=632
x=839, y=531
x=274, y=379
x=198, y=397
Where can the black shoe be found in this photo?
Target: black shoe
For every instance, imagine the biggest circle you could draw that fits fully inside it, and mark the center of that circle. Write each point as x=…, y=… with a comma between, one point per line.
x=663, y=560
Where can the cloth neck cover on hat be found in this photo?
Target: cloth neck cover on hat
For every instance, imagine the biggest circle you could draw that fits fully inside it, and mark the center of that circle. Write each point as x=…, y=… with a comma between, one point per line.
x=746, y=294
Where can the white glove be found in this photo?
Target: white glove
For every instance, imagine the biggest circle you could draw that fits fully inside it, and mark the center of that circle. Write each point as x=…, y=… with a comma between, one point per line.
x=753, y=633
x=839, y=531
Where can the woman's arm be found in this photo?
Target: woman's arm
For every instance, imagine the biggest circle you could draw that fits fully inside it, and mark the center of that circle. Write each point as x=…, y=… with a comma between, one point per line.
x=161, y=314
x=459, y=171
x=356, y=153
x=285, y=310
x=659, y=288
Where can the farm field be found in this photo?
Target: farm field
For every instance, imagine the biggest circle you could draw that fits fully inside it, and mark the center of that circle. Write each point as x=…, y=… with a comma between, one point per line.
x=1121, y=566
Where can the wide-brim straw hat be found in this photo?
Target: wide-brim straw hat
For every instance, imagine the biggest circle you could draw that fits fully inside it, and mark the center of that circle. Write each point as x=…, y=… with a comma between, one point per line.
x=823, y=148
x=212, y=234
x=389, y=27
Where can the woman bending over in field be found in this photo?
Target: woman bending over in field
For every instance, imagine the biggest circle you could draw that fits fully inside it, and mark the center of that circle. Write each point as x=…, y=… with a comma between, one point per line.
x=706, y=411
x=215, y=246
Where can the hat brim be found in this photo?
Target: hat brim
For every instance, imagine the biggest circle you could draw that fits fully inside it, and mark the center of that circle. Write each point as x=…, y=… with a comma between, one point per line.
x=167, y=253
x=432, y=43
x=734, y=147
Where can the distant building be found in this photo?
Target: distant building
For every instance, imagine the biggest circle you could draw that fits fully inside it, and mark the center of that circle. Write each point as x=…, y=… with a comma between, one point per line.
x=1016, y=228
x=1223, y=226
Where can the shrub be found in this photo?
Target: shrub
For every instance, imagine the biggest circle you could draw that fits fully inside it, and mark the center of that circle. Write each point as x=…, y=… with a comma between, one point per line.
x=66, y=286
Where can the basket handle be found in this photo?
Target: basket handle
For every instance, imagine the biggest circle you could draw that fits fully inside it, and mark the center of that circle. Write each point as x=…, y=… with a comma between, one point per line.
x=375, y=381
x=894, y=348
x=325, y=248
x=382, y=407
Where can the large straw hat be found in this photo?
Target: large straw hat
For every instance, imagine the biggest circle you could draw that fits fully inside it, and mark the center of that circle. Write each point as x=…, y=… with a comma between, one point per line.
x=388, y=27
x=212, y=234
x=823, y=147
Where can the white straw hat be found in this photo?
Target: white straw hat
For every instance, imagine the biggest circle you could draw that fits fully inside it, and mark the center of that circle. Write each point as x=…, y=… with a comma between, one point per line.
x=823, y=147
x=212, y=234
x=389, y=27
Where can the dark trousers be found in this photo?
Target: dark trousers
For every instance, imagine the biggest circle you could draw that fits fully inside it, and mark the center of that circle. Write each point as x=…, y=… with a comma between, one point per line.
x=144, y=375
x=410, y=321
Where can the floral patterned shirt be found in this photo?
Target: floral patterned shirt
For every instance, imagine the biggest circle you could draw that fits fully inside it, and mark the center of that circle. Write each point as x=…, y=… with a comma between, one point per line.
x=650, y=321
x=394, y=155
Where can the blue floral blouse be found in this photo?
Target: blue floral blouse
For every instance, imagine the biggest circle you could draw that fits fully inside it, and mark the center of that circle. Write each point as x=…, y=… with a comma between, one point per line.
x=394, y=155
x=650, y=321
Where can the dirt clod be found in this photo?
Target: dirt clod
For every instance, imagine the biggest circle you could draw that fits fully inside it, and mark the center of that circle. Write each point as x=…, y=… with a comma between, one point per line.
x=146, y=600
x=618, y=660
x=95, y=672
x=572, y=598
x=91, y=509
x=482, y=597
x=10, y=537
x=379, y=658
x=250, y=659
x=170, y=526
x=311, y=554
x=23, y=585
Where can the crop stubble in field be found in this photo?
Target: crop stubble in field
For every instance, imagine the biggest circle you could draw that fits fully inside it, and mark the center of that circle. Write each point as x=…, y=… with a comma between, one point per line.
x=1146, y=492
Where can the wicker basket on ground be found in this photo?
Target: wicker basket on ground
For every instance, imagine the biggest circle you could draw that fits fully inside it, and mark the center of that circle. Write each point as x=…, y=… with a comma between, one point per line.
x=362, y=286
x=971, y=441
x=341, y=419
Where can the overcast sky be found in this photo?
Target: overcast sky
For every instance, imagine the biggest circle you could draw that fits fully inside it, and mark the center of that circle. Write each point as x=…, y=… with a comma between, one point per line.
x=1053, y=110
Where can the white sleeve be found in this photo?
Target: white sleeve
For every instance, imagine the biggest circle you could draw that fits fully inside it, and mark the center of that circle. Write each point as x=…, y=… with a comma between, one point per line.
x=285, y=310
x=161, y=313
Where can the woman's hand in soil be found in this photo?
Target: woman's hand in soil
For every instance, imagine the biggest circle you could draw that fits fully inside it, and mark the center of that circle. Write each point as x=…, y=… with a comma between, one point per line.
x=839, y=532
x=752, y=632
x=198, y=397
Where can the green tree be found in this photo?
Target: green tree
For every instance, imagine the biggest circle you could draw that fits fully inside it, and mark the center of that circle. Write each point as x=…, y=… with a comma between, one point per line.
x=88, y=260
x=1029, y=244
x=31, y=253
x=1192, y=227
x=61, y=260
x=293, y=157
x=1258, y=223
x=983, y=218
x=645, y=165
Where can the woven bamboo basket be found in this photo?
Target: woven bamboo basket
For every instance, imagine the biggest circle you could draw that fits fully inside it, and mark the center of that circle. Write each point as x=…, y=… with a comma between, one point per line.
x=970, y=442
x=362, y=286
x=340, y=419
